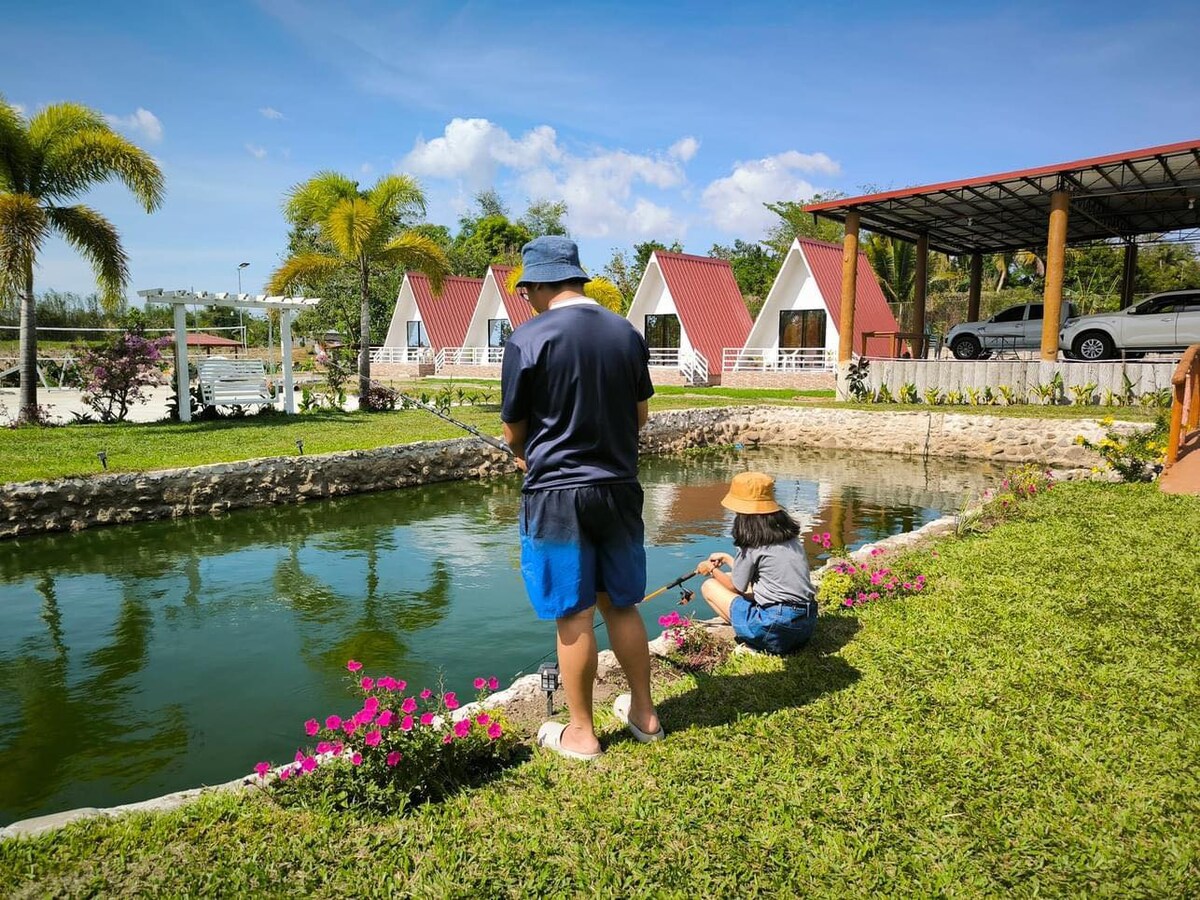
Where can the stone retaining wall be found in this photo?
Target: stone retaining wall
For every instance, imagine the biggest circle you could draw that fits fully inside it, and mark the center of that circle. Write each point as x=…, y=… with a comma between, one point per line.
x=72, y=504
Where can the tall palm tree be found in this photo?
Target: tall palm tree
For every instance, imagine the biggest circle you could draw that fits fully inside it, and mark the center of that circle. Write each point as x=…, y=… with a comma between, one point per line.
x=47, y=160
x=358, y=228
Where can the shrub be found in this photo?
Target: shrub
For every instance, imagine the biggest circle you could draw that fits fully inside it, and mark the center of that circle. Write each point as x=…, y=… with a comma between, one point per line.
x=1008, y=395
x=884, y=395
x=933, y=396
x=847, y=583
x=954, y=398
x=395, y=750
x=856, y=380
x=693, y=647
x=1082, y=393
x=987, y=398
x=973, y=396
x=115, y=374
x=908, y=393
x=1136, y=456
x=996, y=505
x=378, y=398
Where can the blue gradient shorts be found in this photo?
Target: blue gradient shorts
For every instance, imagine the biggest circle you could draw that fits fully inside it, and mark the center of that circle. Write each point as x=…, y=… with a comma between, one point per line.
x=774, y=629
x=576, y=542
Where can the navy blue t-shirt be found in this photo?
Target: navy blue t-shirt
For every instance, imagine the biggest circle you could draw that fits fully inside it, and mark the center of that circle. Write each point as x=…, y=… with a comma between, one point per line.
x=576, y=373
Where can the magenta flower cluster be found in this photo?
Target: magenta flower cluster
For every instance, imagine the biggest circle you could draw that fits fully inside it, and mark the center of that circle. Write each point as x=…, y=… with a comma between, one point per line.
x=869, y=582
x=824, y=539
x=388, y=723
x=677, y=627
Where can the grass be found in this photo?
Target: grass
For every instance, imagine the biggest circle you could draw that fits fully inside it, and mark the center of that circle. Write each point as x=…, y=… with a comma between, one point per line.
x=46, y=453
x=1027, y=725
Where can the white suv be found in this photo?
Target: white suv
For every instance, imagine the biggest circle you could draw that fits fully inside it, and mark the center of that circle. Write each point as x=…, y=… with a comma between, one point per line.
x=1164, y=322
x=1015, y=328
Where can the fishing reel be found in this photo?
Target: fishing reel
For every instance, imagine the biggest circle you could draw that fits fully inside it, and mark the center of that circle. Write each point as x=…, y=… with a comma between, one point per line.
x=686, y=597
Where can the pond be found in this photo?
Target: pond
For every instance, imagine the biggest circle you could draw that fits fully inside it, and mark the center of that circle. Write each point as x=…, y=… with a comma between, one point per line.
x=143, y=659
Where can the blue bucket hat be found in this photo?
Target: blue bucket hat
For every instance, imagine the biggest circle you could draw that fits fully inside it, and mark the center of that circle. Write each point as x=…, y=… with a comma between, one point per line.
x=551, y=258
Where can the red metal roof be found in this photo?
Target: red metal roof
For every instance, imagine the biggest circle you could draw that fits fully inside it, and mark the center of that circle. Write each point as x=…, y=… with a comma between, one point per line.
x=708, y=302
x=446, y=317
x=519, y=312
x=210, y=340
x=871, y=310
x=1120, y=195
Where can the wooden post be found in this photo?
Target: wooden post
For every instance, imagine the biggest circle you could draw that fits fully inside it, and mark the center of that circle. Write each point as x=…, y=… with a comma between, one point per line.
x=1129, y=274
x=920, y=289
x=1056, y=248
x=976, y=287
x=849, y=285
x=182, y=382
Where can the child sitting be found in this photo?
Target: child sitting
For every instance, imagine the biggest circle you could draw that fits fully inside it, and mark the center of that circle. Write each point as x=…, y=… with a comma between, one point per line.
x=768, y=596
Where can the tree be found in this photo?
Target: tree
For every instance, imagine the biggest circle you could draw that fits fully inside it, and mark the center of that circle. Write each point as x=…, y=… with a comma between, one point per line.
x=626, y=272
x=46, y=160
x=545, y=217
x=355, y=229
x=795, y=222
x=754, y=269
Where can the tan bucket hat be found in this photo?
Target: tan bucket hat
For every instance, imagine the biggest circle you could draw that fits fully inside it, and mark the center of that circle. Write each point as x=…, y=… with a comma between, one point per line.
x=751, y=492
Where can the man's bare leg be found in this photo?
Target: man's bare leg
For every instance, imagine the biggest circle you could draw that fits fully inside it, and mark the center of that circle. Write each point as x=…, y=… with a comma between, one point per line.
x=577, y=664
x=627, y=634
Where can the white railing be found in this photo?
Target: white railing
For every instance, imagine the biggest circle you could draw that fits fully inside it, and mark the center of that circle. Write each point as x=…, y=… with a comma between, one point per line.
x=470, y=356
x=401, y=355
x=691, y=364
x=777, y=359
x=664, y=357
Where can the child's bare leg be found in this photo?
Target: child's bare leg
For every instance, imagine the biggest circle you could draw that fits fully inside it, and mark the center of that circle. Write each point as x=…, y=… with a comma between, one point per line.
x=719, y=597
x=577, y=659
x=627, y=634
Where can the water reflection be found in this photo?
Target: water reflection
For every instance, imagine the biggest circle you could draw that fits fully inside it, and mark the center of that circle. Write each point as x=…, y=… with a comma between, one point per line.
x=148, y=658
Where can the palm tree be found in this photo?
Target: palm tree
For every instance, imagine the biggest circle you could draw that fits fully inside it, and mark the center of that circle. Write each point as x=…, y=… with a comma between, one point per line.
x=47, y=160
x=356, y=229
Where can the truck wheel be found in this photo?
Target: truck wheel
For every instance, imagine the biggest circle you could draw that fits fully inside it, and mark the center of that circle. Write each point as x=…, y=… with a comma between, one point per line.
x=966, y=347
x=1093, y=346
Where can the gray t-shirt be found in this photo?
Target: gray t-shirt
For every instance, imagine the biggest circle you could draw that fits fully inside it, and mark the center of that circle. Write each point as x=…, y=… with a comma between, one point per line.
x=778, y=573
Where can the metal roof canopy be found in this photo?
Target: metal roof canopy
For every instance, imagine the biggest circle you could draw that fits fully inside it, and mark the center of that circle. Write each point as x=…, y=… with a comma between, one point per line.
x=1120, y=196
x=180, y=300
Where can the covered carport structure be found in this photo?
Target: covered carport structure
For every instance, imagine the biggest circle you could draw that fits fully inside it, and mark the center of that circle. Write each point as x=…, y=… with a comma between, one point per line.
x=1119, y=197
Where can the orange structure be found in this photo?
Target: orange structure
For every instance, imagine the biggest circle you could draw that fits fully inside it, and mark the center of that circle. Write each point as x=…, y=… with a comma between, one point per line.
x=1182, y=472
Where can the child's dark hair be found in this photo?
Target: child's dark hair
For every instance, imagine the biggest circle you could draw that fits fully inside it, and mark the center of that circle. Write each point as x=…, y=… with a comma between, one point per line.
x=763, y=529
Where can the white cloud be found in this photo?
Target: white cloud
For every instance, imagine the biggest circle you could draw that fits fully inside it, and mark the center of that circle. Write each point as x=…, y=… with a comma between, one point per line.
x=684, y=148
x=735, y=203
x=256, y=151
x=366, y=169
x=598, y=186
x=19, y=108
x=269, y=112
x=140, y=121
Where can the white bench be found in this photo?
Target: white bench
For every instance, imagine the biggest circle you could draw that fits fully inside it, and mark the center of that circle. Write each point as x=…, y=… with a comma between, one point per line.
x=234, y=382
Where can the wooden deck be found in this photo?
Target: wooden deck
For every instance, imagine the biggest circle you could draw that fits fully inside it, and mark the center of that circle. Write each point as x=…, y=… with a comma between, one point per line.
x=1184, y=476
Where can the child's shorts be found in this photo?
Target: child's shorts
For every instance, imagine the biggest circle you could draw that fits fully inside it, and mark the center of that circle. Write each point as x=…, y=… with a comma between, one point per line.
x=774, y=629
x=578, y=541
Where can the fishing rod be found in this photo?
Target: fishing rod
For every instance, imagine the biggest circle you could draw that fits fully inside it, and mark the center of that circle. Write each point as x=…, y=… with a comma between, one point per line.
x=445, y=416
x=686, y=598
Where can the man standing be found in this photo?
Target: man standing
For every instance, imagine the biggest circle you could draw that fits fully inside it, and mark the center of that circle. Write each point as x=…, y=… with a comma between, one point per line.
x=575, y=386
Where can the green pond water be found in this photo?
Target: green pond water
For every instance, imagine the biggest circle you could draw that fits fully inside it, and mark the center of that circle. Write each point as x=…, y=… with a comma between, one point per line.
x=143, y=659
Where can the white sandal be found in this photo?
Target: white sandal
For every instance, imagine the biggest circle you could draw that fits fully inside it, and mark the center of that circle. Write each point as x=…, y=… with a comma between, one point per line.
x=621, y=711
x=550, y=737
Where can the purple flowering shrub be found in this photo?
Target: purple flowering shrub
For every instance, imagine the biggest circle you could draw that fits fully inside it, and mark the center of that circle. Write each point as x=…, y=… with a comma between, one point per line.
x=691, y=646
x=114, y=375
x=396, y=749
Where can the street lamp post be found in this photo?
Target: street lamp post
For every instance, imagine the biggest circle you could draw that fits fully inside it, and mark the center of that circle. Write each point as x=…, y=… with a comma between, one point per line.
x=241, y=321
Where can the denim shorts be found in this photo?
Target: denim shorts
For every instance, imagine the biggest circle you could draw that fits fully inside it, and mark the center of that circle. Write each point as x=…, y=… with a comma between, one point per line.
x=576, y=542
x=774, y=629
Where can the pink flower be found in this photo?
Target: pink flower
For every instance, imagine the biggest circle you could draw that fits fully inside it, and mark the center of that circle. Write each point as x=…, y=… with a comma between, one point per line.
x=311, y=727
x=447, y=738
x=333, y=723
x=338, y=747
x=309, y=764
x=285, y=774
x=349, y=726
x=354, y=665
x=385, y=718
x=479, y=683
x=356, y=759
x=373, y=738
x=662, y=620
x=406, y=724
x=367, y=683
x=393, y=758
x=364, y=716
x=493, y=683
x=399, y=684
x=483, y=719
x=847, y=602
x=410, y=704
x=451, y=701
x=427, y=719
x=495, y=731
x=426, y=694
x=387, y=682
x=262, y=769
x=908, y=585
x=324, y=747
x=371, y=703
x=816, y=539
x=299, y=757
x=462, y=728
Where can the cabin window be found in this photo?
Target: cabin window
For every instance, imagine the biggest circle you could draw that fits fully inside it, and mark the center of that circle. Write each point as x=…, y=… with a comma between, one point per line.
x=498, y=332
x=802, y=328
x=662, y=331
x=416, y=334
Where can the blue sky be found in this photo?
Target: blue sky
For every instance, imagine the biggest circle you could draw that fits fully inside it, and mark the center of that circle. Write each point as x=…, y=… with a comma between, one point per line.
x=673, y=121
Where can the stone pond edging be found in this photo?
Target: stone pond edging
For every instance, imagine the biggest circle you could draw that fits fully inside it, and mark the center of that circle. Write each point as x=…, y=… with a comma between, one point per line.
x=73, y=504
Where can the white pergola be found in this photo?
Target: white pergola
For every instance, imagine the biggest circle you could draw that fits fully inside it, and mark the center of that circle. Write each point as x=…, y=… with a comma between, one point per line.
x=180, y=300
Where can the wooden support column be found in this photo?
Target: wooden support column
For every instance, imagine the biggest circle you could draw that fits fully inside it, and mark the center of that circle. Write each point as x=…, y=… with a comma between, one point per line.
x=849, y=285
x=976, y=287
x=1129, y=274
x=920, y=290
x=1056, y=249
x=182, y=382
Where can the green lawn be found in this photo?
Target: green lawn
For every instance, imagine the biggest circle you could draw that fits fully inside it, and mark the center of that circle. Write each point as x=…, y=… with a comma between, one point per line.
x=1028, y=725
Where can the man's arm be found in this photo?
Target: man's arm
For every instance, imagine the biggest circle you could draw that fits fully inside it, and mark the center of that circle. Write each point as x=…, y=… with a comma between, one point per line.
x=643, y=413
x=514, y=435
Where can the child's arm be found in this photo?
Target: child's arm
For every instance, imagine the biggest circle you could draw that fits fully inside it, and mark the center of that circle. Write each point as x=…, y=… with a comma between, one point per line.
x=711, y=567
